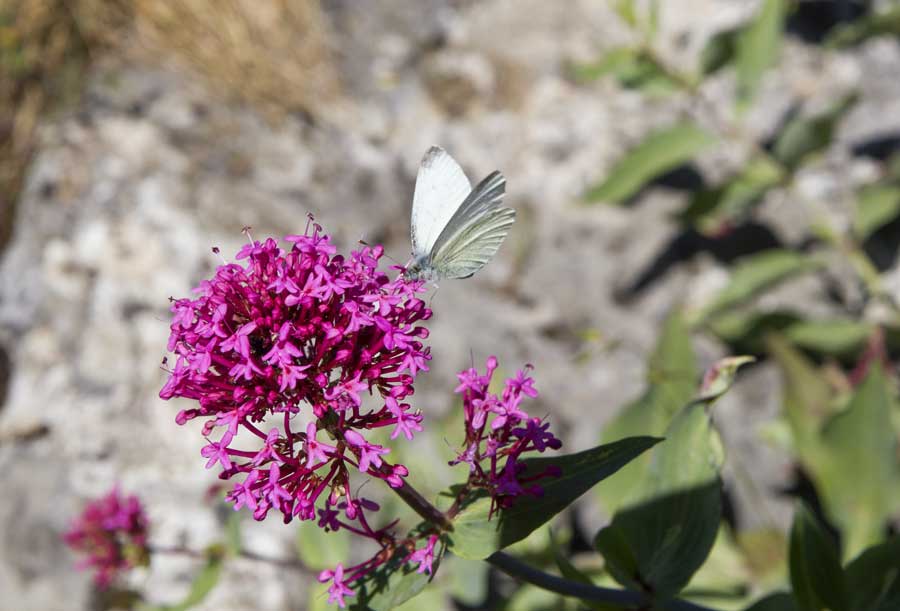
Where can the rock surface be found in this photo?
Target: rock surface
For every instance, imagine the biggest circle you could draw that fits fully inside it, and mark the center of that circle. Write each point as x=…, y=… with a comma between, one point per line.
x=129, y=192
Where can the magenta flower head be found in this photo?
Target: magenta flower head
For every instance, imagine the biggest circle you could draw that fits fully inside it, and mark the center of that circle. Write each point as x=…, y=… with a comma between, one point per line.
x=498, y=432
x=279, y=351
x=111, y=535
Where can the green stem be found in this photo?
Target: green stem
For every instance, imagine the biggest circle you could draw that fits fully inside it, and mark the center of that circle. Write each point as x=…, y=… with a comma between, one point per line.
x=552, y=583
x=426, y=510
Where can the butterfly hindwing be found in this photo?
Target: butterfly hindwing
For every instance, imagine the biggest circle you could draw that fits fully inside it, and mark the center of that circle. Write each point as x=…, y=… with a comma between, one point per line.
x=474, y=233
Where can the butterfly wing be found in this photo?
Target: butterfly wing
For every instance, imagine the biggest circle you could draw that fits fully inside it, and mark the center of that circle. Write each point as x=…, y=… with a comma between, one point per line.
x=474, y=233
x=441, y=187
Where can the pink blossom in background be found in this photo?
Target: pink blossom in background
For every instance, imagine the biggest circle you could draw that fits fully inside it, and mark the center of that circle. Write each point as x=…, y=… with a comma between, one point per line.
x=111, y=535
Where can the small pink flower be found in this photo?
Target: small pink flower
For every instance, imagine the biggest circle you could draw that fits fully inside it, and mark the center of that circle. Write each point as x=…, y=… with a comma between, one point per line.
x=111, y=534
x=338, y=589
x=369, y=453
x=497, y=428
x=425, y=556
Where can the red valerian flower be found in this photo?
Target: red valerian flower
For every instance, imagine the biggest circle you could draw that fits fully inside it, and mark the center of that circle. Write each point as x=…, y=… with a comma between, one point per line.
x=498, y=432
x=279, y=352
x=111, y=535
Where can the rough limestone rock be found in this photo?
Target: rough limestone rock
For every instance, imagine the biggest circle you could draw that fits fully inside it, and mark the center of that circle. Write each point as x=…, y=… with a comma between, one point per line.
x=131, y=189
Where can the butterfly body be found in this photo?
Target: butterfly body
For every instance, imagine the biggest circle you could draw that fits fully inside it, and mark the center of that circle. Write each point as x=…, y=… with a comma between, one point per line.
x=455, y=229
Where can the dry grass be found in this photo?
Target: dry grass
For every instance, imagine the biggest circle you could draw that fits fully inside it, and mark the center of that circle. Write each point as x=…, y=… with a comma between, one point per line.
x=272, y=54
x=45, y=46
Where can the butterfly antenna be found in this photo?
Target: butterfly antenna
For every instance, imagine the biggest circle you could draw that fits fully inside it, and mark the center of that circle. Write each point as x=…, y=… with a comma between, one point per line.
x=217, y=251
x=386, y=256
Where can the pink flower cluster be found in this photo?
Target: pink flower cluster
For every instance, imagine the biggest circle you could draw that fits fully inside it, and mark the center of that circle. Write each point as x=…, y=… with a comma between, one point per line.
x=498, y=432
x=279, y=353
x=111, y=534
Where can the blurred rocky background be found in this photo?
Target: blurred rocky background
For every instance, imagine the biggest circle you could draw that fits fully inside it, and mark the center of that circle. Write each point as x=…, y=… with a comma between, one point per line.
x=135, y=135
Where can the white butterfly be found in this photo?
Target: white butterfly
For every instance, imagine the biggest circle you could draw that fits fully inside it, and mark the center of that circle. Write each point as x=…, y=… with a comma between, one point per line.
x=455, y=229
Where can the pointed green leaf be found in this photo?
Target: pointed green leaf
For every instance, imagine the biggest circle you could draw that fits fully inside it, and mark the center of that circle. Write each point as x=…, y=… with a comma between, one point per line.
x=746, y=332
x=202, y=585
x=816, y=575
x=834, y=337
x=626, y=11
x=672, y=375
x=805, y=136
x=873, y=578
x=757, y=273
x=860, y=440
x=468, y=580
x=660, y=152
x=643, y=73
x=612, y=62
x=475, y=536
x=758, y=47
x=389, y=586
x=730, y=201
x=233, y=543
x=662, y=536
x=660, y=539
x=883, y=23
x=876, y=206
x=806, y=402
x=719, y=51
x=779, y=601
x=724, y=578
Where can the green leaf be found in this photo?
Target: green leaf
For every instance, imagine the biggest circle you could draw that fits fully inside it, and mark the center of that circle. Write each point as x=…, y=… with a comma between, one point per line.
x=319, y=549
x=660, y=152
x=804, y=136
x=672, y=375
x=626, y=11
x=665, y=533
x=468, y=580
x=433, y=599
x=719, y=51
x=233, y=544
x=876, y=207
x=612, y=62
x=834, y=337
x=632, y=68
x=711, y=209
x=746, y=332
x=724, y=579
x=475, y=536
x=389, y=586
x=860, y=440
x=806, y=402
x=202, y=585
x=779, y=601
x=758, y=46
x=755, y=274
x=816, y=575
x=873, y=578
x=886, y=22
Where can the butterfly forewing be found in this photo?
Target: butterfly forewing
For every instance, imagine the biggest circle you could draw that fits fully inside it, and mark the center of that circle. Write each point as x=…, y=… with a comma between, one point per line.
x=441, y=187
x=474, y=233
